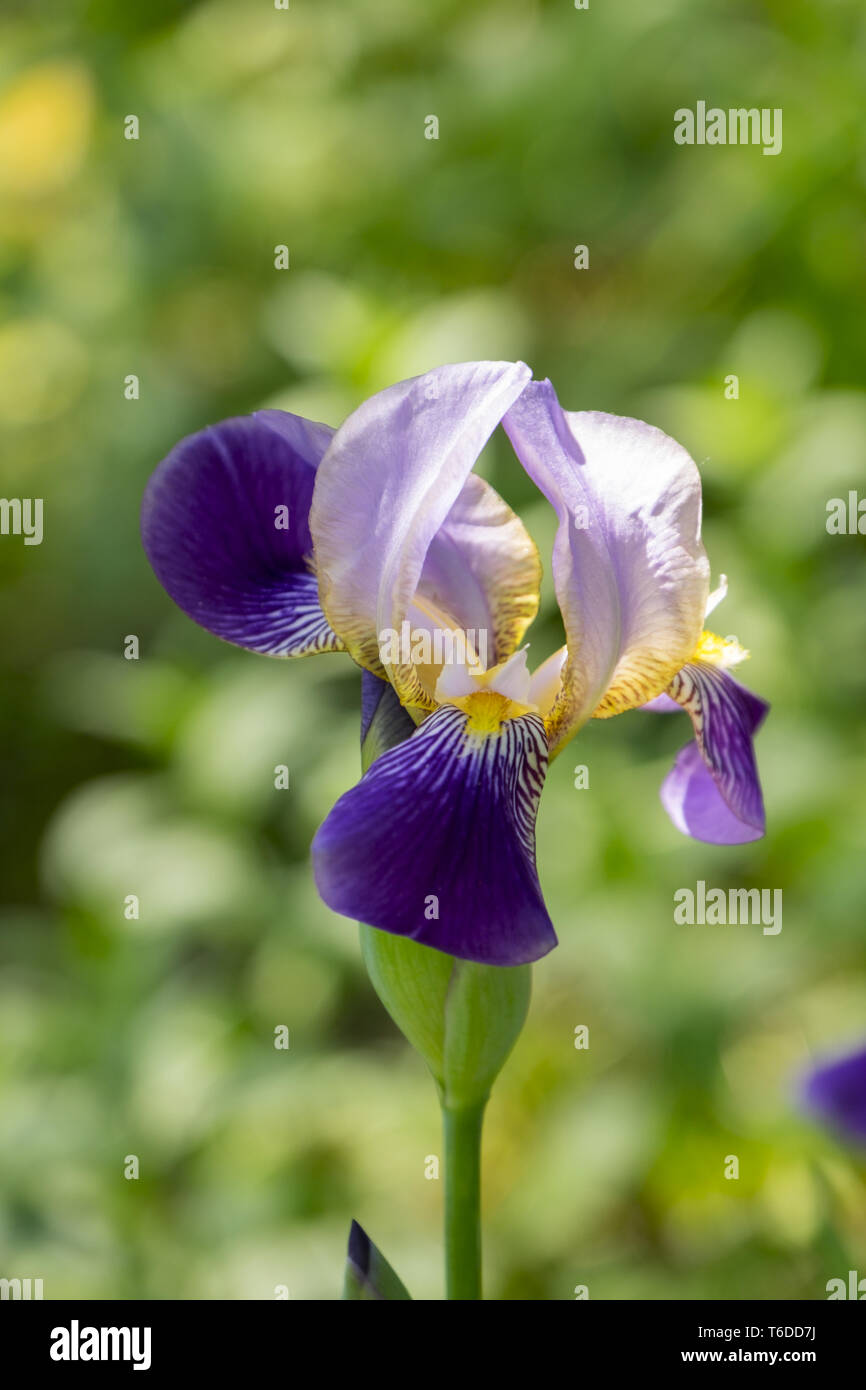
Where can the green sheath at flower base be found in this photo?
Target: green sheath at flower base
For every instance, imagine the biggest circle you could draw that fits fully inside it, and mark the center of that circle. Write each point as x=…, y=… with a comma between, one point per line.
x=462, y=1018
x=384, y=721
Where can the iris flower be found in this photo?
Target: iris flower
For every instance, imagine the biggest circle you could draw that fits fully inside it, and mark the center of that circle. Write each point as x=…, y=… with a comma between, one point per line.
x=836, y=1093
x=288, y=538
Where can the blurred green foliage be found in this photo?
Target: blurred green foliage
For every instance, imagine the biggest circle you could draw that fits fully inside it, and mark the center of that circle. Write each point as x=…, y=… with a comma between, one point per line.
x=155, y=257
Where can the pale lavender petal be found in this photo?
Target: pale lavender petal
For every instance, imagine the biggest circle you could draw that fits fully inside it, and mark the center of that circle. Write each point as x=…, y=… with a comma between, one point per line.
x=392, y=479
x=437, y=841
x=630, y=571
x=483, y=570
x=225, y=524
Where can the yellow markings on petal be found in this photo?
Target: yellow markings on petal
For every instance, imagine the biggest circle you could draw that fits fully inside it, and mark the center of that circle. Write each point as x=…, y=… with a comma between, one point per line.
x=409, y=687
x=503, y=558
x=500, y=693
x=719, y=651
x=430, y=627
x=646, y=676
x=508, y=564
x=487, y=710
x=640, y=676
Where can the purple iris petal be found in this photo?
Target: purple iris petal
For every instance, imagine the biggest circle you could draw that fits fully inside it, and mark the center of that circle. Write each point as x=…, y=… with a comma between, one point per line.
x=714, y=787
x=836, y=1092
x=437, y=841
x=695, y=805
x=225, y=526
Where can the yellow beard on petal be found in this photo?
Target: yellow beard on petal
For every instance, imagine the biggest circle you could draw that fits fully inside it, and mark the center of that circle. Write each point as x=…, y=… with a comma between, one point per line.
x=719, y=651
x=487, y=710
x=644, y=677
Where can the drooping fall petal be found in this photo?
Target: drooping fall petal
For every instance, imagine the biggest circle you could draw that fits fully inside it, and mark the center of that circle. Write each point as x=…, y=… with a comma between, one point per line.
x=696, y=806
x=713, y=792
x=437, y=840
x=225, y=524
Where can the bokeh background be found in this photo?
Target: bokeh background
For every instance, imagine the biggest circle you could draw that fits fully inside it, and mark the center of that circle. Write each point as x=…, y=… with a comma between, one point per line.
x=154, y=777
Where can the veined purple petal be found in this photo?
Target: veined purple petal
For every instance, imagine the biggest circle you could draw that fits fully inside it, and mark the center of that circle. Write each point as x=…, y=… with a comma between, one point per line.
x=836, y=1092
x=395, y=514
x=629, y=568
x=697, y=807
x=225, y=524
x=437, y=840
x=713, y=792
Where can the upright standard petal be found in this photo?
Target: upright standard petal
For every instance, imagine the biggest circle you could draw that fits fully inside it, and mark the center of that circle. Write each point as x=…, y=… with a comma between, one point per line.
x=630, y=571
x=394, y=517
x=225, y=524
x=437, y=840
x=836, y=1092
x=713, y=792
x=483, y=569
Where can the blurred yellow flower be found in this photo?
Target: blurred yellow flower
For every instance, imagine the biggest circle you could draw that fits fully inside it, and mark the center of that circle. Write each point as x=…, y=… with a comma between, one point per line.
x=45, y=120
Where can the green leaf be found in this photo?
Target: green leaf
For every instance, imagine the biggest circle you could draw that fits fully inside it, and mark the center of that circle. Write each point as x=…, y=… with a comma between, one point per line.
x=368, y=1273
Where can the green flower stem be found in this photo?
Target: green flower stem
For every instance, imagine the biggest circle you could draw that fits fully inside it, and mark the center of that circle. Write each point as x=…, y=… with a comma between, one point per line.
x=463, y=1018
x=462, y=1131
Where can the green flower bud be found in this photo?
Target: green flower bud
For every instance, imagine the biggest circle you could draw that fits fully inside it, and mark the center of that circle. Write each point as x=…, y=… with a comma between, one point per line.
x=369, y=1277
x=462, y=1018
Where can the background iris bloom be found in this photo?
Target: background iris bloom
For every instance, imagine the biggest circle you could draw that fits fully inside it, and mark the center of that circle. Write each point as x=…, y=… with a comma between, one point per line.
x=835, y=1091
x=283, y=537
